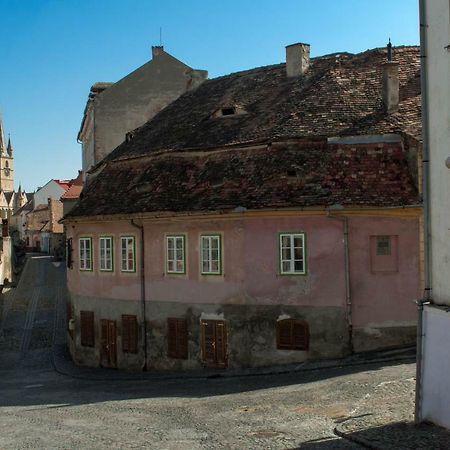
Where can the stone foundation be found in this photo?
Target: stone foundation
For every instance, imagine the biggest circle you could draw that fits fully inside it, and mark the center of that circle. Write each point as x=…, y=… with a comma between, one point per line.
x=380, y=338
x=251, y=333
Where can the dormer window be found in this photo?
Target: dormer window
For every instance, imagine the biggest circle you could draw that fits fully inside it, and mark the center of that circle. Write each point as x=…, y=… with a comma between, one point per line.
x=292, y=173
x=228, y=111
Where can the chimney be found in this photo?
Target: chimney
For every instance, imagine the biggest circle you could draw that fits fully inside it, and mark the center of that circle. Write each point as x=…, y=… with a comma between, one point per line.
x=391, y=84
x=297, y=59
x=157, y=50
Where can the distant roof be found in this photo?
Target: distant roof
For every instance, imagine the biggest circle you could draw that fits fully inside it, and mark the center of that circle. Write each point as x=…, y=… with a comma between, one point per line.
x=65, y=184
x=8, y=195
x=188, y=158
x=76, y=186
x=41, y=207
x=25, y=208
x=340, y=96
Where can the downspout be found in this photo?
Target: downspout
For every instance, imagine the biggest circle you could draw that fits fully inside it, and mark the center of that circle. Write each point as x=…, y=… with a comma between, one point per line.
x=426, y=207
x=143, y=310
x=348, y=296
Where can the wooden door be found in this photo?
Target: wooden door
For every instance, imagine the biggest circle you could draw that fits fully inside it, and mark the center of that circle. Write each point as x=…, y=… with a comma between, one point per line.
x=214, y=343
x=108, y=353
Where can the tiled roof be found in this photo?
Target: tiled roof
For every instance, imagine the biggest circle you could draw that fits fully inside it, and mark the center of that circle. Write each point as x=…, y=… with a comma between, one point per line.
x=76, y=186
x=186, y=159
x=65, y=184
x=25, y=208
x=341, y=95
x=296, y=174
x=8, y=195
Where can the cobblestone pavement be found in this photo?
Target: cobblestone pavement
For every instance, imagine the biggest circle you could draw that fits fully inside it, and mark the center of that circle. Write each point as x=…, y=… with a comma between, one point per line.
x=41, y=408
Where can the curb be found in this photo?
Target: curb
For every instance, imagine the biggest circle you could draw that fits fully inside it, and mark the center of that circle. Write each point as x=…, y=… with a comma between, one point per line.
x=142, y=376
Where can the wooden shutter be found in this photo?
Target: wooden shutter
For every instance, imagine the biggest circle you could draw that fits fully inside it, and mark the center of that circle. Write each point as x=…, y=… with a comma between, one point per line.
x=214, y=343
x=87, y=328
x=300, y=335
x=208, y=342
x=129, y=334
x=292, y=334
x=221, y=344
x=177, y=338
x=104, y=350
x=284, y=336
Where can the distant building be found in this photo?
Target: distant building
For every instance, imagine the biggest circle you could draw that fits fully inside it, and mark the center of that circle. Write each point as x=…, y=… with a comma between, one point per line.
x=269, y=216
x=72, y=195
x=433, y=368
x=37, y=221
x=114, y=109
x=10, y=201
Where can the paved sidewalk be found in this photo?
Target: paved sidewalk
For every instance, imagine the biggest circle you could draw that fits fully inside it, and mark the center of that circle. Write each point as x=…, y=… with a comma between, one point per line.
x=384, y=420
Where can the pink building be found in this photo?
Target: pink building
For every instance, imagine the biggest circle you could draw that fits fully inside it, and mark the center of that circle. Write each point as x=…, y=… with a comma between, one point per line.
x=267, y=217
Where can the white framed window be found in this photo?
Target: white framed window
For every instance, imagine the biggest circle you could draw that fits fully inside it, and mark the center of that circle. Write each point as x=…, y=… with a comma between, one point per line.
x=175, y=254
x=106, y=253
x=128, y=254
x=292, y=254
x=211, y=254
x=85, y=246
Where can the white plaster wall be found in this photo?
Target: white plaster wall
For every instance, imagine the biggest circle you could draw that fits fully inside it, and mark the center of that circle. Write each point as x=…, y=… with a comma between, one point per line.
x=51, y=190
x=436, y=367
x=435, y=387
x=438, y=89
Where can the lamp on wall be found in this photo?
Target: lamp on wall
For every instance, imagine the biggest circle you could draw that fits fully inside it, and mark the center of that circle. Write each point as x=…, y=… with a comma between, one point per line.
x=447, y=162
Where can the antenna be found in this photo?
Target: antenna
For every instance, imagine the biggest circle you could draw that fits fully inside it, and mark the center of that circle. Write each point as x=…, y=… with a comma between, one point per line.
x=160, y=36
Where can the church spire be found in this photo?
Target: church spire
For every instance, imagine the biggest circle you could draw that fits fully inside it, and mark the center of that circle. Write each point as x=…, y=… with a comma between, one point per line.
x=2, y=137
x=9, y=149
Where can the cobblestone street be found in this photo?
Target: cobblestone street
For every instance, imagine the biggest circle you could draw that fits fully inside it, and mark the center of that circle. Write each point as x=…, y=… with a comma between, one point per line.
x=41, y=408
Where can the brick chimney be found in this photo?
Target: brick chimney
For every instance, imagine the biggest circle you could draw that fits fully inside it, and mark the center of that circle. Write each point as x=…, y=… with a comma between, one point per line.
x=297, y=59
x=157, y=50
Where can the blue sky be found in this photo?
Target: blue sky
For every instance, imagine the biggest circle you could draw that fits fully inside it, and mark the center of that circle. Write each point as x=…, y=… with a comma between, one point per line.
x=52, y=51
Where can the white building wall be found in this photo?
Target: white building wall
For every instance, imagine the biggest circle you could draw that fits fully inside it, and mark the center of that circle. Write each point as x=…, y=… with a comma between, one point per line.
x=438, y=62
x=435, y=383
x=436, y=367
x=51, y=190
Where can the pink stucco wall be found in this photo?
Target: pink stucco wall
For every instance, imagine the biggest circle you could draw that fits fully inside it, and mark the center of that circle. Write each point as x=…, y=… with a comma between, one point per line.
x=383, y=297
x=251, y=268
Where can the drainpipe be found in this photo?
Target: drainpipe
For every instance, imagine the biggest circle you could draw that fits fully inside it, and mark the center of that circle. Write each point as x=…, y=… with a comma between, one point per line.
x=143, y=311
x=426, y=207
x=348, y=297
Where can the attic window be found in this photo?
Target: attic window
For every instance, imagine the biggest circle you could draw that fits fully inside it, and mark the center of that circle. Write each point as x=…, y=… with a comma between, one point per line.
x=229, y=111
x=292, y=173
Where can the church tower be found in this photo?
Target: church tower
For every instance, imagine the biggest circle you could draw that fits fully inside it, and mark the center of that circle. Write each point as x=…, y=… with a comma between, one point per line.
x=6, y=163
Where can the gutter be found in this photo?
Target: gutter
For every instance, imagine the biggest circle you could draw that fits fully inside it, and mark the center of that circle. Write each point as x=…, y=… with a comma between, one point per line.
x=172, y=215
x=426, y=208
x=348, y=296
x=143, y=309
